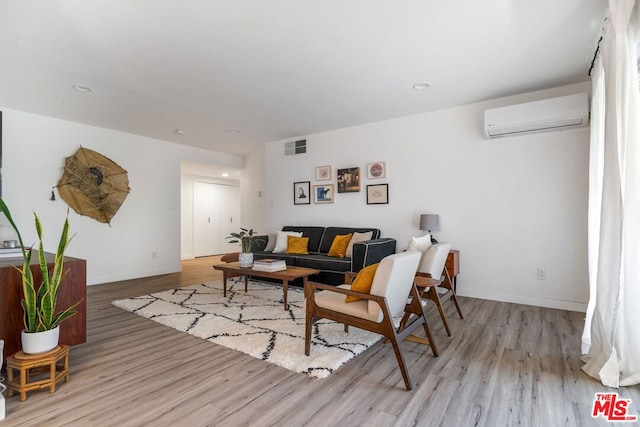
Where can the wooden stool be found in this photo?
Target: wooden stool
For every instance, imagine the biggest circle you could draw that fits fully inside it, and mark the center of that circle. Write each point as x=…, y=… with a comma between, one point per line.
x=33, y=367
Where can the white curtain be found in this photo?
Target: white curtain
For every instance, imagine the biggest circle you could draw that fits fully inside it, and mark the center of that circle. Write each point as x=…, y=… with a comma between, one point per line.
x=611, y=337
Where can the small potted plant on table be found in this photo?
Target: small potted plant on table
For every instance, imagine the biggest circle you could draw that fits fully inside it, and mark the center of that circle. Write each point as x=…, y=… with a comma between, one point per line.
x=41, y=322
x=246, y=239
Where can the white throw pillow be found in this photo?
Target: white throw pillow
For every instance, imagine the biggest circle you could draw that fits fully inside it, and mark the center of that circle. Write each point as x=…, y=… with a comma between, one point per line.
x=282, y=240
x=419, y=243
x=271, y=243
x=357, y=237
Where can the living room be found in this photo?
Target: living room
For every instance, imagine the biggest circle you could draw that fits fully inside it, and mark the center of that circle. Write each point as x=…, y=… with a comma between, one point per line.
x=514, y=207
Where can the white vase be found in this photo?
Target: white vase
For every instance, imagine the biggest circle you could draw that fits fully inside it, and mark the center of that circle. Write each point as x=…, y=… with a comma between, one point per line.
x=245, y=259
x=40, y=342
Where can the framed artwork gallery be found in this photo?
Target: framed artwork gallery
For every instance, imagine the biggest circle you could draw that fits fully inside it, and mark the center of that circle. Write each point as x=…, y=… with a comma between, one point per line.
x=301, y=193
x=378, y=194
x=376, y=170
x=323, y=173
x=323, y=193
x=349, y=180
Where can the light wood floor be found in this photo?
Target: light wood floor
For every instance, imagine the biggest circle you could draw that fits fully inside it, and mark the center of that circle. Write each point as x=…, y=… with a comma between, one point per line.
x=506, y=365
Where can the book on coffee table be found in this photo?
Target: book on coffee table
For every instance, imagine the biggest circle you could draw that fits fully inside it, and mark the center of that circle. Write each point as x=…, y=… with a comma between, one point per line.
x=269, y=264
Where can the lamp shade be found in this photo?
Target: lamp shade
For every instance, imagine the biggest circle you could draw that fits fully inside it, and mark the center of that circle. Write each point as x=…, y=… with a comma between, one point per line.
x=430, y=222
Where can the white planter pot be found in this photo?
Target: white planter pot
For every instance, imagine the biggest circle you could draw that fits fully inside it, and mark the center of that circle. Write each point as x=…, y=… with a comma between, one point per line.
x=245, y=259
x=40, y=342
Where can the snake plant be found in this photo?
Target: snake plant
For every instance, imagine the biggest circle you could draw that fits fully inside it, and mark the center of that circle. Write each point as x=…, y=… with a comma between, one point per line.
x=39, y=303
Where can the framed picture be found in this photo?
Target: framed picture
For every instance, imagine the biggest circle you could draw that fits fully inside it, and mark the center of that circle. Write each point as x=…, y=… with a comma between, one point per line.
x=376, y=170
x=323, y=173
x=378, y=194
x=301, y=193
x=323, y=193
x=349, y=180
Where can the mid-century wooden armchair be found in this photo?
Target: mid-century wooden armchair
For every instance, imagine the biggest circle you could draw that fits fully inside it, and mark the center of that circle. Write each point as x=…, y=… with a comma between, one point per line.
x=432, y=266
x=392, y=286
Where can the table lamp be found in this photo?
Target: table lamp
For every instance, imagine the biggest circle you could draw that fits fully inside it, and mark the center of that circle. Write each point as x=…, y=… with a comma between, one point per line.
x=430, y=222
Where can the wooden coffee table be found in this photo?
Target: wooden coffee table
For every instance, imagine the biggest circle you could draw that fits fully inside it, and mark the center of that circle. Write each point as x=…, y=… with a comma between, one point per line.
x=233, y=269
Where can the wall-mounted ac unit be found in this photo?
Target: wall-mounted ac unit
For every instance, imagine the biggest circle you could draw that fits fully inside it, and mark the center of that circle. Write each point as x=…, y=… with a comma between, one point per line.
x=565, y=112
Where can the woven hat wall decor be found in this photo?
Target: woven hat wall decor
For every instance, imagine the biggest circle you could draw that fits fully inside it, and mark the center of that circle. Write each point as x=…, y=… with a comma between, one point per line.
x=93, y=185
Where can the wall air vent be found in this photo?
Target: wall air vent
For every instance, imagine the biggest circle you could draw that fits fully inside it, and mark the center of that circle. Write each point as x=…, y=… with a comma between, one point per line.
x=295, y=147
x=564, y=112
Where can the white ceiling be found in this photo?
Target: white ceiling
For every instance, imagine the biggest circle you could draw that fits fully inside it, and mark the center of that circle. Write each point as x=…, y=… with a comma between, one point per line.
x=280, y=68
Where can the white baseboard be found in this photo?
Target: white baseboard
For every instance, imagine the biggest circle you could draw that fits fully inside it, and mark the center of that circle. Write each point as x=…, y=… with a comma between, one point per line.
x=526, y=300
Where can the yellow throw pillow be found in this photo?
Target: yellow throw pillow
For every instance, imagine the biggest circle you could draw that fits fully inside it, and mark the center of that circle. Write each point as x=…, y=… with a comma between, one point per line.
x=363, y=282
x=339, y=245
x=297, y=245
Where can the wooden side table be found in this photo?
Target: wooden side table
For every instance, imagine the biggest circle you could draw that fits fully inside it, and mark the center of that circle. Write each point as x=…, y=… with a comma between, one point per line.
x=453, y=267
x=37, y=371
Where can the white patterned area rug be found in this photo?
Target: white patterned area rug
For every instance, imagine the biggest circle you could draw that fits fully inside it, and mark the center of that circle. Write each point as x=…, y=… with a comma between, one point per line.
x=254, y=323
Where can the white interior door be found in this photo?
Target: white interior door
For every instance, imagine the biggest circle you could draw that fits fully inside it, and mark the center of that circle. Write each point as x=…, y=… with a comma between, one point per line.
x=206, y=219
x=229, y=217
x=216, y=213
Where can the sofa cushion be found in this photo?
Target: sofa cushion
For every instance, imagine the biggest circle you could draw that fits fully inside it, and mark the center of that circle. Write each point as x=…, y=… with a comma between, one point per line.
x=362, y=282
x=313, y=233
x=297, y=245
x=419, y=243
x=357, y=237
x=271, y=242
x=282, y=240
x=331, y=232
x=339, y=245
x=324, y=262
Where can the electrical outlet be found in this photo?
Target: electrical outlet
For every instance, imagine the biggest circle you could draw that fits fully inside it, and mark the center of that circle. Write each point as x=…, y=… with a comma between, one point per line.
x=154, y=255
x=542, y=274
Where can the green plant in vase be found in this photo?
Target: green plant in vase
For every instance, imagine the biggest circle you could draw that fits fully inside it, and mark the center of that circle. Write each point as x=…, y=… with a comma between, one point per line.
x=39, y=303
x=246, y=239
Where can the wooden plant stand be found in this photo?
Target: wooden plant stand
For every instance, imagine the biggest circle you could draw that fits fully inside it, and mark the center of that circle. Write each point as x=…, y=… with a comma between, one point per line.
x=37, y=371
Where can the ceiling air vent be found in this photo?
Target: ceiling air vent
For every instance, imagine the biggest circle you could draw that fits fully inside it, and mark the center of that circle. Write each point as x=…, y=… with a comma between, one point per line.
x=295, y=147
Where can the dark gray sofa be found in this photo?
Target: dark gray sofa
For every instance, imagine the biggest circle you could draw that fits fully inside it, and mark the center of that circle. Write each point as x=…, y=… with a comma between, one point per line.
x=332, y=269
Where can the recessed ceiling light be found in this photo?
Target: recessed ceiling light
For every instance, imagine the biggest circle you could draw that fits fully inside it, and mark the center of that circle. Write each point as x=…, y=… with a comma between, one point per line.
x=179, y=132
x=225, y=175
x=234, y=131
x=81, y=88
x=421, y=85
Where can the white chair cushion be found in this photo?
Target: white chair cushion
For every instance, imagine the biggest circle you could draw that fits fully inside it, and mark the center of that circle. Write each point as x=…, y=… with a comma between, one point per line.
x=335, y=301
x=393, y=280
x=434, y=259
x=282, y=241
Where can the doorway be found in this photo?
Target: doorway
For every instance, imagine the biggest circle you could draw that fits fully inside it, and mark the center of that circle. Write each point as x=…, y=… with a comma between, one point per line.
x=216, y=213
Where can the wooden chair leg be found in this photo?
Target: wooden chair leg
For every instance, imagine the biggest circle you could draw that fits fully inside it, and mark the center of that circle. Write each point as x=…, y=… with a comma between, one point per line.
x=405, y=319
x=308, y=324
x=448, y=284
x=433, y=296
x=307, y=334
x=455, y=301
x=401, y=363
x=432, y=343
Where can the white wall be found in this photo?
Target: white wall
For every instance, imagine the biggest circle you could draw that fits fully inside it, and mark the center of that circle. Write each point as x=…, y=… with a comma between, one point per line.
x=253, y=207
x=148, y=221
x=510, y=205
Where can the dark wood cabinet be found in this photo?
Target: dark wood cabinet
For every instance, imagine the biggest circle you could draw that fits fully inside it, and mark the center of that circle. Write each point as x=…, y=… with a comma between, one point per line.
x=453, y=266
x=73, y=288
